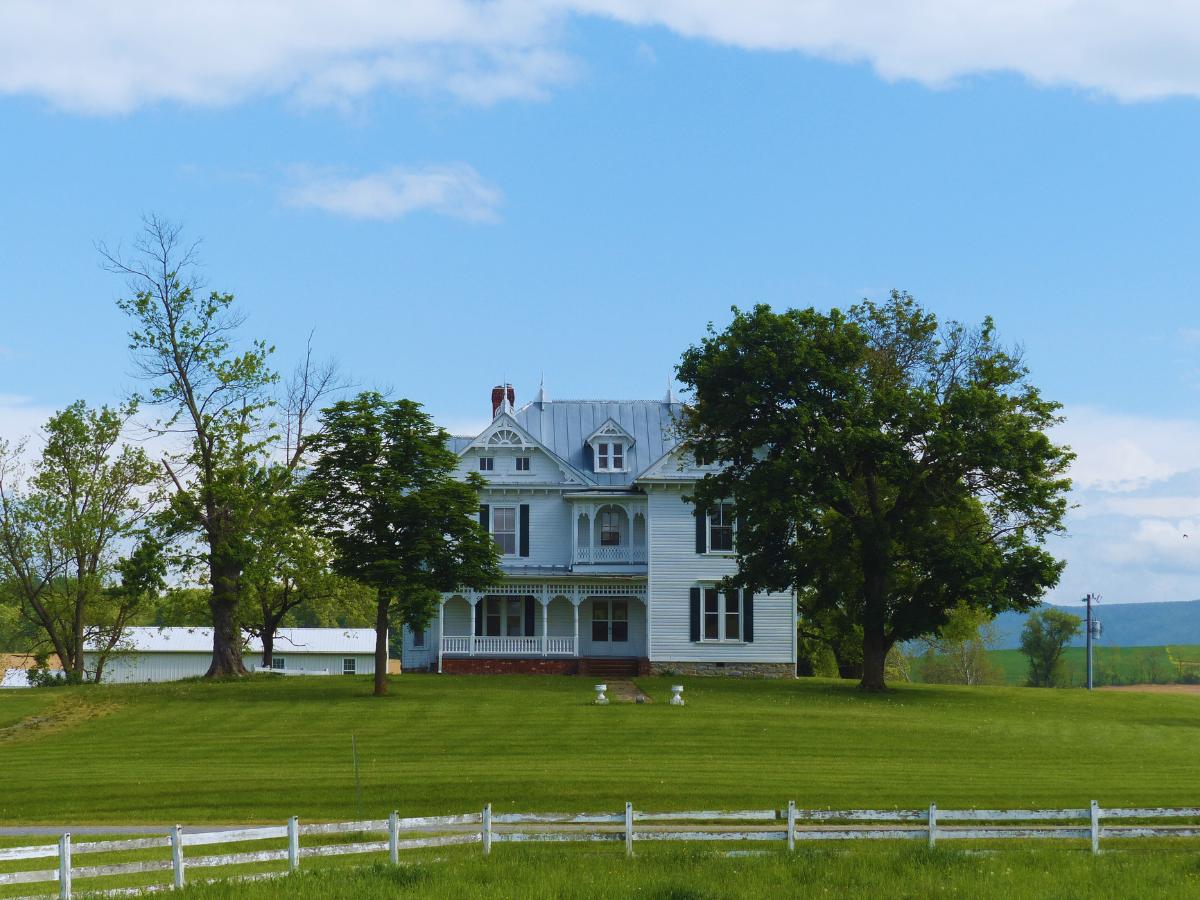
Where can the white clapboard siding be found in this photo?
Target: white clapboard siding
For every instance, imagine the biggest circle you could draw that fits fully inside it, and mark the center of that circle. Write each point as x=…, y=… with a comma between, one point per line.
x=675, y=568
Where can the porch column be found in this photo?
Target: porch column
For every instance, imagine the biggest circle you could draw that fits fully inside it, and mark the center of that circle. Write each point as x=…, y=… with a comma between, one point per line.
x=441, y=630
x=473, y=598
x=575, y=610
x=544, y=601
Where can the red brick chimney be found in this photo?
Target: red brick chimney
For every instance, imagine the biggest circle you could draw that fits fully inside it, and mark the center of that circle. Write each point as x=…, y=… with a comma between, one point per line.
x=498, y=397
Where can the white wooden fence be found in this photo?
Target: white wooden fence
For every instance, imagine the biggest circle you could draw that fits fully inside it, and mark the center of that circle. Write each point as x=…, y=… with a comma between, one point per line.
x=783, y=825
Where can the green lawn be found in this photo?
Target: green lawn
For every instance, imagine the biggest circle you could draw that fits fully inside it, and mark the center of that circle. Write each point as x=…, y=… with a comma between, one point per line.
x=1110, y=665
x=675, y=873
x=267, y=748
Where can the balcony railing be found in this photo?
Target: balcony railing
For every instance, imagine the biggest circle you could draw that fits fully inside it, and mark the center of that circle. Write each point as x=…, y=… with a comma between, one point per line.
x=484, y=645
x=623, y=555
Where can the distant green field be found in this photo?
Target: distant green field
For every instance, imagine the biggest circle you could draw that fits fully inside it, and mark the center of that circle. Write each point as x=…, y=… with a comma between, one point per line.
x=1110, y=665
x=266, y=748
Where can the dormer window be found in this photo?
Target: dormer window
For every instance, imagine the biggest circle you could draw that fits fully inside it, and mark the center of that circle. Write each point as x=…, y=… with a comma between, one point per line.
x=610, y=447
x=610, y=456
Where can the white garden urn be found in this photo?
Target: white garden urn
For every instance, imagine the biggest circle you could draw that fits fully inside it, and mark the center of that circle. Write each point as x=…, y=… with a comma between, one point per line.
x=601, y=700
x=677, y=695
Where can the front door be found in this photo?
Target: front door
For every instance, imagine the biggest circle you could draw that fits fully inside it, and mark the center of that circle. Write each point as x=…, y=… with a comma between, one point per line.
x=610, y=627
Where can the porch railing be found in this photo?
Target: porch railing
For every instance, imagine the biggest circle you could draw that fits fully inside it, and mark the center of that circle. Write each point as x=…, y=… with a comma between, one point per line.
x=610, y=555
x=483, y=645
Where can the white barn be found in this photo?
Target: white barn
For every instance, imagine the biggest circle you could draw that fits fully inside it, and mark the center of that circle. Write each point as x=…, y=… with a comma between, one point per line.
x=169, y=654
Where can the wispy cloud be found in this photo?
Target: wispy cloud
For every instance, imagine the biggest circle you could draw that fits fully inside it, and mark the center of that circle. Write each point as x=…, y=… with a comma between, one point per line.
x=457, y=191
x=95, y=56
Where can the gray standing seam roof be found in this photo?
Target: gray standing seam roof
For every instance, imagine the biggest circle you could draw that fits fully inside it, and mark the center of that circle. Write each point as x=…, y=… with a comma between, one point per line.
x=564, y=425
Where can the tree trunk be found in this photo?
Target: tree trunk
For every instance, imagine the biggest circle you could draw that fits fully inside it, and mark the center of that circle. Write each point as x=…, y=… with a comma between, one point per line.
x=381, y=644
x=875, y=651
x=268, y=642
x=223, y=602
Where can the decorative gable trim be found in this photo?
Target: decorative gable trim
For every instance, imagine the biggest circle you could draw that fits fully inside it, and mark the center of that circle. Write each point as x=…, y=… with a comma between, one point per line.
x=611, y=430
x=676, y=464
x=506, y=432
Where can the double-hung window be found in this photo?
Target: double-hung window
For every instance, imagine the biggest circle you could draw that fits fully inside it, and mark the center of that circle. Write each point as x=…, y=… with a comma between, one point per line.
x=722, y=615
x=610, y=457
x=349, y=665
x=487, y=463
x=720, y=528
x=610, y=528
x=504, y=617
x=522, y=463
x=418, y=636
x=504, y=529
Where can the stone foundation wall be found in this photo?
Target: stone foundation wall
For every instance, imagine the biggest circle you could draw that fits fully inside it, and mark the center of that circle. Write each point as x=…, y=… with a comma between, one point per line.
x=734, y=669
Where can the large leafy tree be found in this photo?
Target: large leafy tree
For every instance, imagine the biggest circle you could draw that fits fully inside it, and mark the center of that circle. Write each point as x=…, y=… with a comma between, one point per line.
x=382, y=491
x=883, y=467
x=62, y=529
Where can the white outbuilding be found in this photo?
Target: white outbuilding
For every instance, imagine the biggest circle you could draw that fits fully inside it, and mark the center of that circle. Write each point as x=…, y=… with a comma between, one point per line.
x=169, y=654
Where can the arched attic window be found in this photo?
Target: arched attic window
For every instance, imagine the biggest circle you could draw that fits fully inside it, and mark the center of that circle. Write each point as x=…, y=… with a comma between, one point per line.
x=505, y=437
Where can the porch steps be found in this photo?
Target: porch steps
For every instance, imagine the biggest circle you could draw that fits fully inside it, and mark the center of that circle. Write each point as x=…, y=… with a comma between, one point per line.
x=616, y=667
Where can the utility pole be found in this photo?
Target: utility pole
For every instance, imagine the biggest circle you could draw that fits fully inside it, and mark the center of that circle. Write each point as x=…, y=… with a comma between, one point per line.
x=1093, y=630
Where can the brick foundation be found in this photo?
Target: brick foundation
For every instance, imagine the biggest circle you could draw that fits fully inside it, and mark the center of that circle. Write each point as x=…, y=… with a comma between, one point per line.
x=483, y=665
x=734, y=669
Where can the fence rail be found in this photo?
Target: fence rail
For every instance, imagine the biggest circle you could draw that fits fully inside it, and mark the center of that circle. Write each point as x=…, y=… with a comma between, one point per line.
x=787, y=824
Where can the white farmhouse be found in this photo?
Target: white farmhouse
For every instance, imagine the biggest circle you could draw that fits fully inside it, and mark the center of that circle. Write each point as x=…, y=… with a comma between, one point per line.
x=169, y=654
x=608, y=569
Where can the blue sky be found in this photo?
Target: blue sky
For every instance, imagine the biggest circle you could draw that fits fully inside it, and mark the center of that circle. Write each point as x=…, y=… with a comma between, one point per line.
x=577, y=188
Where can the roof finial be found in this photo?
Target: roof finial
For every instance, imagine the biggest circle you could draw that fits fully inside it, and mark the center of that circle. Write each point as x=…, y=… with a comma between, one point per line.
x=541, y=394
x=670, y=398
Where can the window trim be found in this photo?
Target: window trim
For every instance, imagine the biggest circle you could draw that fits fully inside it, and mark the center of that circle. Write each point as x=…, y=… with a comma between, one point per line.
x=278, y=662
x=516, y=528
x=732, y=526
x=353, y=670
x=607, y=459
x=722, y=613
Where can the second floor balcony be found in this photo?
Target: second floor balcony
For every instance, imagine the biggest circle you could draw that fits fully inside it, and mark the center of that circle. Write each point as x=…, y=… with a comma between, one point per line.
x=609, y=533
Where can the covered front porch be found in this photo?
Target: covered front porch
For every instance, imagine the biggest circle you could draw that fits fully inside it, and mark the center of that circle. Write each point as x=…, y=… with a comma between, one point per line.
x=551, y=621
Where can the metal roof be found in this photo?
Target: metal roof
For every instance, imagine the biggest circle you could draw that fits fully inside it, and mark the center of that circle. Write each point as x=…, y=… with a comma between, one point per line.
x=563, y=427
x=287, y=640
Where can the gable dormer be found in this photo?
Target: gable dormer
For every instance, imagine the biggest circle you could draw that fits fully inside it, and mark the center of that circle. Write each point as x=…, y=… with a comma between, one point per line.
x=610, y=445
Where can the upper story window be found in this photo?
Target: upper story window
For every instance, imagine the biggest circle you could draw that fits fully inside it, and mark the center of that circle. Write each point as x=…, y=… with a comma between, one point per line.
x=610, y=445
x=610, y=528
x=504, y=529
x=522, y=463
x=720, y=528
x=487, y=463
x=610, y=456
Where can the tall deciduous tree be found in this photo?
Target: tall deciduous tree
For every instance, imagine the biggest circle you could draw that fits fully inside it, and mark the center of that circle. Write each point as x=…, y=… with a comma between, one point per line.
x=1043, y=640
x=382, y=491
x=61, y=530
x=879, y=465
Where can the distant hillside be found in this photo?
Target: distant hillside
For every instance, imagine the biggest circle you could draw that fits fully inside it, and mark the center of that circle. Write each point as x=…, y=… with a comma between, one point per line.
x=1125, y=624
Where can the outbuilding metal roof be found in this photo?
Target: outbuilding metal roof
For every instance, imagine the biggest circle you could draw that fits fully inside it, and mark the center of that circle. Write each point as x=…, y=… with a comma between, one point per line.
x=287, y=640
x=563, y=427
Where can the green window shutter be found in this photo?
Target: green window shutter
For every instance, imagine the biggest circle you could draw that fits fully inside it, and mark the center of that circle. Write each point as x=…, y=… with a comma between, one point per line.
x=748, y=617
x=524, y=529
x=530, y=623
x=479, y=616
x=701, y=531
x=695, y=614
x=485, y=513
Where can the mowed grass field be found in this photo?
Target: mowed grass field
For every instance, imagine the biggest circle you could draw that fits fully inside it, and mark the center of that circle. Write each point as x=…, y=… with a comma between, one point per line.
x=1119, y=665
x=266, y=748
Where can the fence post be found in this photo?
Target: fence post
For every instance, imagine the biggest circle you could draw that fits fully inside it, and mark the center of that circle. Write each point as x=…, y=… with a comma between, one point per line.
x=628, y=829
x=486, y=829
x=177, y=856
x=791, y=839
x=1095, y=828
x=394, y=837
x=932, y=824
x=64, y=866
x=293, y=843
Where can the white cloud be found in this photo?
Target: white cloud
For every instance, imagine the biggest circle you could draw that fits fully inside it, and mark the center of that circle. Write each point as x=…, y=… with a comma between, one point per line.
x=455, y=190
x=1119, y=452
x=21, y=418
x=103, y=57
